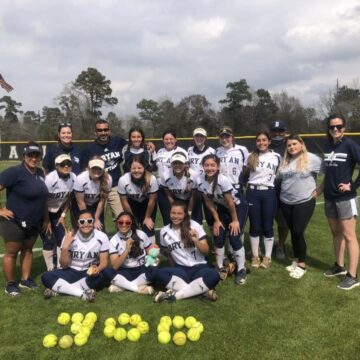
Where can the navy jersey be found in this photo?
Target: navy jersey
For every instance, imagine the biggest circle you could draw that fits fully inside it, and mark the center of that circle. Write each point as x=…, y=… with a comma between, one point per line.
x=52, y=152
x=340, y=160
x=26, y=194
x=111, y=153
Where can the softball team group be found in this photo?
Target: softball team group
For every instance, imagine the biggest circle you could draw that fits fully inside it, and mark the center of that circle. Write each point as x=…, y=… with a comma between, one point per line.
x=223, y=187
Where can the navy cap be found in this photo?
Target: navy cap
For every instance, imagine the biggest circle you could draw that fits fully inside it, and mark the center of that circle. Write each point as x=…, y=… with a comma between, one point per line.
x=277, y=125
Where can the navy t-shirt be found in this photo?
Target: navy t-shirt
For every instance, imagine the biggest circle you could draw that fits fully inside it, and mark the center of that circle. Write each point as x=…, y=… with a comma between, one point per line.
x=111, y=153
x=340, y=160
x=54, y=151
x=26, y=194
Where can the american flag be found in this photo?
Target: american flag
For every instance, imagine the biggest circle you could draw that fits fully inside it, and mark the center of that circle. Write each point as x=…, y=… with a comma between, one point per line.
x=5, y=85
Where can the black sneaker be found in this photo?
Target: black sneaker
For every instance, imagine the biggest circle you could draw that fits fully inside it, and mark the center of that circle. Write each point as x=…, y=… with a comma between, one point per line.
x=28, y=284
x=240, y=278
x=335, y=270
x=348, y=282
x=165, y=296
x=11, y=289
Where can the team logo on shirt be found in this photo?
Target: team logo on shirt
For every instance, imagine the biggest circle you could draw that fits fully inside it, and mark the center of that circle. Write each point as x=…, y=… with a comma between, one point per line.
x=332, y=158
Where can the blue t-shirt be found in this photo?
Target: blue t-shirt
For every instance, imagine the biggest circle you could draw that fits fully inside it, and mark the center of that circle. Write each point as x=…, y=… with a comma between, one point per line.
x=111, y=153
x=54, y=151
x=340, y=160
x=26, y=194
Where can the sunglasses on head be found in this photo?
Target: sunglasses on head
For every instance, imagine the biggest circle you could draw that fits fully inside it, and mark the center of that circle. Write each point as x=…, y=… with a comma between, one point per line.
x=65, y=163
x=102, y=130
x=88, y=221
x=333, y=127
x=63, y=124
x=123, y=222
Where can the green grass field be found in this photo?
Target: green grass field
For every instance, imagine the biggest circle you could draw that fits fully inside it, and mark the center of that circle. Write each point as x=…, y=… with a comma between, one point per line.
x=271, y=317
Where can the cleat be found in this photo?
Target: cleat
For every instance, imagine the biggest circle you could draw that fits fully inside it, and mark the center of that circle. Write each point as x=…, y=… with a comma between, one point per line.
x=255, y=262
x=240, y=278
x=146, y=290
x=89, y=295
x=165, y=296
x=210, y=295
x=49, y=293
x=223, y=273
x=115, y=289
x=265, y=262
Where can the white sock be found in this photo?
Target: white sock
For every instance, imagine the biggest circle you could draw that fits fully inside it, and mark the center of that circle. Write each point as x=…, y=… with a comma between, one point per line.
x=64, y=287
x=124, y=283
x=49, y=259
x=219, y=253
x=58, y=253
x=240, y=258
x=196, y=287
x=141, y=280
x=176, y=283
x=268, y=243
x=254, y=242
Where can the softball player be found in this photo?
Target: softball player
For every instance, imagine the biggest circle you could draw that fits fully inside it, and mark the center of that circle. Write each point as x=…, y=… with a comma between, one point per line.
x=184, y=241
x=127, y=257
x=262, y=166
x=84, y=255
x=137, y=190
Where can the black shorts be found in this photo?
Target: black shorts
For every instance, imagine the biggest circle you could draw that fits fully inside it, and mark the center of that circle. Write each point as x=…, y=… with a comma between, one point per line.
x=10, y=231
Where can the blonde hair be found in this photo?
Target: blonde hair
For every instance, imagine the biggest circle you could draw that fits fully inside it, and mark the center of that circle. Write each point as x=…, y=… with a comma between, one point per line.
x=302, y=162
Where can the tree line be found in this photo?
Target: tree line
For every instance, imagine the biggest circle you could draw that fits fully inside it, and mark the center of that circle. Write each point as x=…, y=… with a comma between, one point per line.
x=246, y=110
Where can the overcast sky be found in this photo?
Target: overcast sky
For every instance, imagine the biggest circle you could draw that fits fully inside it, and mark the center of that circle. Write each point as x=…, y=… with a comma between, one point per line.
x=175, y=48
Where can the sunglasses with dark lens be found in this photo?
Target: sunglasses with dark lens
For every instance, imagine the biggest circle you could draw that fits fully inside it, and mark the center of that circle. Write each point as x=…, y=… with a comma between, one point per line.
x=339, y=127
x=123, y=222
x=61, y=125
x=65, y=163
x=89, y=221
x=102, y=130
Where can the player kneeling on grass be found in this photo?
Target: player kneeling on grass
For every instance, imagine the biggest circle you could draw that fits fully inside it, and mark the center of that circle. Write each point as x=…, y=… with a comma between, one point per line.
x=127, y=256
x=184, y=241
x=84, y=255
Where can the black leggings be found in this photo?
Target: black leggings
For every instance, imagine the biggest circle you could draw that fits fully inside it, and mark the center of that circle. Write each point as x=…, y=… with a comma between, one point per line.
x=297, y=218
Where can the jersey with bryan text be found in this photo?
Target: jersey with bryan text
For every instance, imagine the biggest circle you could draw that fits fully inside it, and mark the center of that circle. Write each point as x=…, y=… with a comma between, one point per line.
x=196, y=156
x=127, y=188
x=163, y=160
x=180, y=188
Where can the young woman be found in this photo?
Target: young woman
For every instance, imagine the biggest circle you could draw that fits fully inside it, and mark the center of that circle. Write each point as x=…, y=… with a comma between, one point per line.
x=137, y=147
x=195, y=156
x=59, y=183
x=184, y=241
x=92, y=188
x=341, y=156
x=127, y=257
x=163, y=162
x=297, y=174
x=63, y=146
x=84, y=255
x=137, y=190
x=180, y=183
x=22, y=216
x=221, y=200
x=262, y=166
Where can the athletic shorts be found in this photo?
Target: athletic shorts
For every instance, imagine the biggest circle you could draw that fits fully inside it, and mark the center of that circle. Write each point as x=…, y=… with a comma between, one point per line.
x=10, y=231
x=345, y=209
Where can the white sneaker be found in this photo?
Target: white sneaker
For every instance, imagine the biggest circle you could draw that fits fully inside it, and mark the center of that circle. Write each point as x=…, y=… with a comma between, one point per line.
x=115, y=289
x=298, y=273
x=291, y=267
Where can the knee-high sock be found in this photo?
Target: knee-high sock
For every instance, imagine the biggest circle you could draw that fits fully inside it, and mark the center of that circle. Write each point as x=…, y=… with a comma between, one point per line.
x=63, y=287
x=49, y=259
x=254, y=242
x=176, y=283
x=141, y=280
x=240, y=258
x=58, y=253
x=124, y=283
x=196, y=287
x=268, y=243
x=219, y=253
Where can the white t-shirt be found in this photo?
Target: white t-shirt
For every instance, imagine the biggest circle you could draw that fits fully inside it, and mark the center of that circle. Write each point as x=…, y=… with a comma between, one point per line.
x=86, y=253
x=171, y=240
x=127, y=188
x=118, y=246
x=91, y=189
x=180, y=188
x=195, y=158
x=163, y=160
x=265, y=172
x=223, y=186
x=232, y=162
x=59, y=190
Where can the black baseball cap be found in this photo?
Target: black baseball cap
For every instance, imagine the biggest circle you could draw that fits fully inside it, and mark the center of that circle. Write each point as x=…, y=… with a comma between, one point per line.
x=278, y=125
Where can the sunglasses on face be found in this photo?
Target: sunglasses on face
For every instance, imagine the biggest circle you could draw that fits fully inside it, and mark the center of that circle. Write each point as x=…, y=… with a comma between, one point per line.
x=333, y=127
x=102, y=130
x=66, y=163
x=89, y=221
x=123, y=222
